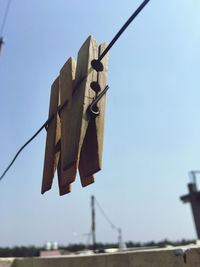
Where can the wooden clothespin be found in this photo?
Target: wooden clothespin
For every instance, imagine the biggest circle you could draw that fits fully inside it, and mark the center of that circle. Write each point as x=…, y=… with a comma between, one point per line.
x=75, y=134
x=84, y=141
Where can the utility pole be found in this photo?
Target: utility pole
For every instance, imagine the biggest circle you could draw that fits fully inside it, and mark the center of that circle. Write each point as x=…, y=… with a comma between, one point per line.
x=93, y=224
x=194, y=199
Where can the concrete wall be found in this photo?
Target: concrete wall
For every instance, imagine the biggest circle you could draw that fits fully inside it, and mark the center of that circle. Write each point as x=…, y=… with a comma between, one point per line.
x=176, y=257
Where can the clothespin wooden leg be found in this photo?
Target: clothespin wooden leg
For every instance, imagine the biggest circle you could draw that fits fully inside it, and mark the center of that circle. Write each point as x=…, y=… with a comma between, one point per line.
x=53, y=135
x=92, y=148
x=88, y=156
x=62, y=189
x=66, y=188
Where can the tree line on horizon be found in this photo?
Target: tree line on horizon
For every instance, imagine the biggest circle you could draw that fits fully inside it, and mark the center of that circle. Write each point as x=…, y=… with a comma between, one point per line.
x=33, y=251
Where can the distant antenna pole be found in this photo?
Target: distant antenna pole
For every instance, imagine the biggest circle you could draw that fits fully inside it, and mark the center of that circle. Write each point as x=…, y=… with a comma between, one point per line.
x=93, y=224
x=194, y=199
x=1, y=45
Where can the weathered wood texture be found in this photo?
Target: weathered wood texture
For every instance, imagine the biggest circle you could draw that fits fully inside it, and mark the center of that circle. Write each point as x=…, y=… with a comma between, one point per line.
x=53, y=135
x=63, y=189
x=87, y=154
x=100, y=120
x=82, y=98
x=92, y=148
x=66, y=82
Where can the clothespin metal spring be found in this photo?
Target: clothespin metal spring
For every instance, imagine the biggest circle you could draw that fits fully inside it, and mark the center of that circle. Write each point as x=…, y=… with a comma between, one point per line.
x=93, y=109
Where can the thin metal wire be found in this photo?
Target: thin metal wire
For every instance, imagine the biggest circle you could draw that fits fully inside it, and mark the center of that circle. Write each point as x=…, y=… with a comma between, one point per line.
x=105, y=215
x=19, y=151
x=123, y=29
x=45, y=125
x=5, y=17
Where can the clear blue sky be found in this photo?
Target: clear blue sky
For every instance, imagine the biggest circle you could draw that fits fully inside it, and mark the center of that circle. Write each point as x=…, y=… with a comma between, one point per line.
x=152, y=131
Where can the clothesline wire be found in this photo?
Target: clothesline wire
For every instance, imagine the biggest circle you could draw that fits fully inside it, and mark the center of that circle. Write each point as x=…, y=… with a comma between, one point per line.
x=105, y=215
x=5, y=17
x=45, y=125
x=20, y=150
x=123, y=28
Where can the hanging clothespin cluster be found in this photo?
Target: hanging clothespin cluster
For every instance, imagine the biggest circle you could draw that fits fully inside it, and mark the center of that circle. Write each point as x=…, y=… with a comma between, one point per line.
x=76, y=128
